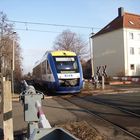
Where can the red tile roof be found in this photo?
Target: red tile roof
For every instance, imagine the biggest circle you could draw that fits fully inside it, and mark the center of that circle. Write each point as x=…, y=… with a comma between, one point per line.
x=132, y=21
x=128, y=20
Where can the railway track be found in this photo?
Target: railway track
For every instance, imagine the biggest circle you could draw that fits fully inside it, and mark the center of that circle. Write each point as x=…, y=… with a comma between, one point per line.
x=101, y=102
x=113, y=105
x=87, y=105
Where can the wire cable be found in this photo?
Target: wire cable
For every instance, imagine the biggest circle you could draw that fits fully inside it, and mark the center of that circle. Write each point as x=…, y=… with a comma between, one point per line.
x=49, y=24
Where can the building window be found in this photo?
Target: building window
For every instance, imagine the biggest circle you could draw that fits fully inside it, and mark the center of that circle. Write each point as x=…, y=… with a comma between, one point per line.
x=132, y=66
x=138, y=36
x=139, y=51
x=132, y=50
x=131, y=35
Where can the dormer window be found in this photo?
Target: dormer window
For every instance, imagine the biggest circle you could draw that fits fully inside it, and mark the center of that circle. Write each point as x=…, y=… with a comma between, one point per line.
x=132, y=23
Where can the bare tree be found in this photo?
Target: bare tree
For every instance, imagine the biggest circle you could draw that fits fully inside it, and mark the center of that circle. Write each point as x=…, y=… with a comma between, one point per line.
x=70, y=41
x=6, y=48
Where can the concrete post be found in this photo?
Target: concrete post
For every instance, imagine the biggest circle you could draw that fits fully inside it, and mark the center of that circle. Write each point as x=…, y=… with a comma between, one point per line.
x=7, y=111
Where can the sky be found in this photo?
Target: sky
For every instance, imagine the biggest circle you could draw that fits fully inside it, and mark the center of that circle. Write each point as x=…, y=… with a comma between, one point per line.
x=84, y=13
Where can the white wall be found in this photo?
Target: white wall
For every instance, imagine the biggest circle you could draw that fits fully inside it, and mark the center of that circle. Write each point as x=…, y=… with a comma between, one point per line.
x=129, y=58
x=108, y=50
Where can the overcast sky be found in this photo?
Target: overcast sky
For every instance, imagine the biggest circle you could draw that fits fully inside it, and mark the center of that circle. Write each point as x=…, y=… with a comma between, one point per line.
x=89, y=13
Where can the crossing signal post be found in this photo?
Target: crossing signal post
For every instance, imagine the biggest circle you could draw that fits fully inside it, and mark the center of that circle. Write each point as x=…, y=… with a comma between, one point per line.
x=101, y=74
x=38, y=125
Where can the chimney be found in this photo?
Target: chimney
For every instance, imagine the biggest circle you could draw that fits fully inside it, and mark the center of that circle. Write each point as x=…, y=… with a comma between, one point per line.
x=120, y=11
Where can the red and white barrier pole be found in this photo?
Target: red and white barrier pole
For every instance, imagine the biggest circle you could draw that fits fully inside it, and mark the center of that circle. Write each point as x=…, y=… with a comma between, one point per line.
x=43, y=122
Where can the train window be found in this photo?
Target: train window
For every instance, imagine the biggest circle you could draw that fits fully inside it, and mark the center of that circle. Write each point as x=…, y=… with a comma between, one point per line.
x=37, y=71
x=66, y=64
x=44, y=67
x=48, y=68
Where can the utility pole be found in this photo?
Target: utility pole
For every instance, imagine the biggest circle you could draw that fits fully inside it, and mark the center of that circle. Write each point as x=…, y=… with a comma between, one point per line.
x=91, y=53
x=13, y=61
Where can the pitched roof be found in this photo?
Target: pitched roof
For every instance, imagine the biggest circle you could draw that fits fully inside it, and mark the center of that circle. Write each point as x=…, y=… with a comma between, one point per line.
x=127, y=20
x=132, y=21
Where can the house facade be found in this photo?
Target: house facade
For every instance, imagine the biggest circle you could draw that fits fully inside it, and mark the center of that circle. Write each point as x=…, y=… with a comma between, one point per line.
x=117, y=45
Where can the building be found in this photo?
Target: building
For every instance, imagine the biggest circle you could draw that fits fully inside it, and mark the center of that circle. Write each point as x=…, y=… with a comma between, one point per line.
x=117, y=45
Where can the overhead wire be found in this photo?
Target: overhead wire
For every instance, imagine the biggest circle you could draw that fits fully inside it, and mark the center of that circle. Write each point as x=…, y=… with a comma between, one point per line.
x=35, y=30
x=50, y=24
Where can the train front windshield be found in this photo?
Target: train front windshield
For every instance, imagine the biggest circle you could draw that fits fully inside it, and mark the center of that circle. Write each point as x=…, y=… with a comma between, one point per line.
x=66, y=64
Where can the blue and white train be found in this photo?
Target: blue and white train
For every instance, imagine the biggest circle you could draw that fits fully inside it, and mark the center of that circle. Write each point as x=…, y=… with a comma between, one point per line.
x=59, y=72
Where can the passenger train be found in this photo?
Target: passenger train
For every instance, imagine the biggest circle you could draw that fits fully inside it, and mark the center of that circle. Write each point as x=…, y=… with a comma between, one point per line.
x=59, y=72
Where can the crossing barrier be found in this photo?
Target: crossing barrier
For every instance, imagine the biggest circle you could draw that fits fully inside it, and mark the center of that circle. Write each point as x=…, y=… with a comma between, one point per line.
x=38, y=126
x=43, y=122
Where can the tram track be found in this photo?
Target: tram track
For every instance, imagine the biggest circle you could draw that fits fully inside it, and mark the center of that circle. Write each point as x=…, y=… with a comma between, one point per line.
x=95, y=113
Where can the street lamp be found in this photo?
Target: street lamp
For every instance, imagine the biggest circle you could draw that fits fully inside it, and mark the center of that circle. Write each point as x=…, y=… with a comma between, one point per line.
x=13, y=62
x=91, y=53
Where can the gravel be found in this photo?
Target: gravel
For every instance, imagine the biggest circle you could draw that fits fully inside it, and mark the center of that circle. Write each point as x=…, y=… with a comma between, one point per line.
x=83, y=131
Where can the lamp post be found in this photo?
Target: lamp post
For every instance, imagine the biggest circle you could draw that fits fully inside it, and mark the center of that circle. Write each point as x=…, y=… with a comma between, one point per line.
x=91, y=53
x=13, y=62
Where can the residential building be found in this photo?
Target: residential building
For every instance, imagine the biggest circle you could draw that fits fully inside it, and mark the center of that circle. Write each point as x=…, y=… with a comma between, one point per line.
x=117, y=45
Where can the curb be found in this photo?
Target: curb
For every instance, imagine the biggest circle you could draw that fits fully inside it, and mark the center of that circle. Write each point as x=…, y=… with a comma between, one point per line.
x=120, y=82
x=132, y=79
x=16, y=98
x=112, y=91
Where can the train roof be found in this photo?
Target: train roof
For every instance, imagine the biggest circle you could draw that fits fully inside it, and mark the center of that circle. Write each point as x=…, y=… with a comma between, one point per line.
x=63, y=53
x=55, y=53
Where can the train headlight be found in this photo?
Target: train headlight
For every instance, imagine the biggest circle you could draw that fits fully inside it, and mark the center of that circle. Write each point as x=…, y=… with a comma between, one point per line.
x=73, y=82
x=68, y=82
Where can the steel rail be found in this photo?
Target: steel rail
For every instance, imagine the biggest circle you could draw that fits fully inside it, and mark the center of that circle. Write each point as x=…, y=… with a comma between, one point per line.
x=100, y=101
x=115, y=125
x=106, y=120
